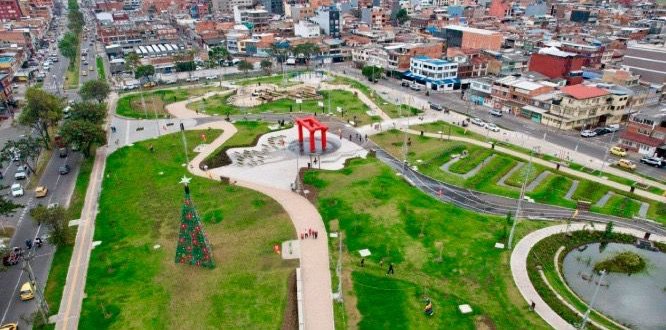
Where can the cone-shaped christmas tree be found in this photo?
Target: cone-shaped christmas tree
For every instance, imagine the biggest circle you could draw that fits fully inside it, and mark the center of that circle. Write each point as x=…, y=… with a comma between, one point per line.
x=193, y=246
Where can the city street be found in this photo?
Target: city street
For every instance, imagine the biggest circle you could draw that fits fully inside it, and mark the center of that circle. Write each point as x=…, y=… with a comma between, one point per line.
x=60, y=189
x=596, y=147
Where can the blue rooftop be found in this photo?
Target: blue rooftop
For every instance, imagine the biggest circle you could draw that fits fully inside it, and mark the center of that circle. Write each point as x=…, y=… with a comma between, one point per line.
x=430, y=60
x=6, y=59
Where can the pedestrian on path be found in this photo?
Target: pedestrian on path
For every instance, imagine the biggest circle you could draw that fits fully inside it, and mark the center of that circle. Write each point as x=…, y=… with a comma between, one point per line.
x=390, y=269
x=117, y=141
x=362, y=262
x=316, y=234
x=532, y=305
x=152, y=149
x=381, y=263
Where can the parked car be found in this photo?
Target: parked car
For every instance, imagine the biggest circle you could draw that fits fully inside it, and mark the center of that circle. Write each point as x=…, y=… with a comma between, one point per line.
x=84, y=73
x=405, y=83
x=211, y=78
x=415, y=87
x=653, y=161
x=601, y=131
x=496, y=112
x=21, y=172
x=588, y=133
x=613, y=127
x=17, y=190
x=41, y=191
x=478, y=122
x=27, y=291
x=618, y=151
x=492, y=127
x=64, y=169
x=436, y=107
x=626, y=164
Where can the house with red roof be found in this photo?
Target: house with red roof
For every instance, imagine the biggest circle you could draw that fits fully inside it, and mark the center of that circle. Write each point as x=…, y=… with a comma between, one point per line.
x=580, y=106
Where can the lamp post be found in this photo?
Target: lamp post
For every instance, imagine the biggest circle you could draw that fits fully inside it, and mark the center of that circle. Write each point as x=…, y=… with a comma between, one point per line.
x=594, y=298
x=520, y=201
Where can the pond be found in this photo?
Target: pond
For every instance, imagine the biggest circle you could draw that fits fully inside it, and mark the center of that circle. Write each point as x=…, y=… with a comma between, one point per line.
x=637, y=300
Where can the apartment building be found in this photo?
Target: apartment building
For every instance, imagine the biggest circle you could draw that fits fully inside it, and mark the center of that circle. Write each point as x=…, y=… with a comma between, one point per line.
x=305, y=29
x=472, y=38
x=10, y=10
x=435, y=74
x=555, y=63
x=580, y=106
x=510, y=94
x=328, y=19
x=646, y=132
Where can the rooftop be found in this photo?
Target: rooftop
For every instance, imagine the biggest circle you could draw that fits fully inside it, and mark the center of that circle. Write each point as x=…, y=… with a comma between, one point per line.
x=554, y=51
x=582, y=92
x=469, y=29
x=430, y=60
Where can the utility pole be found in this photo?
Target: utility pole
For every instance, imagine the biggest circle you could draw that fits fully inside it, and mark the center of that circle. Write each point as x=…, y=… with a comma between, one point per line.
x=606, y=154
x=520, y=201
x=42, y=305
x=594, y=298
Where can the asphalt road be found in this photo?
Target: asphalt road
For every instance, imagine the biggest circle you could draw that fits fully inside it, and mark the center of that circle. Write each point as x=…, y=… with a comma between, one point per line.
x=12, y=309
x=596, y=147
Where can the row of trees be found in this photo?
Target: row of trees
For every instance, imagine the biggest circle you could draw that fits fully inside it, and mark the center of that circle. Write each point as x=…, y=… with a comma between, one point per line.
x=69, y=44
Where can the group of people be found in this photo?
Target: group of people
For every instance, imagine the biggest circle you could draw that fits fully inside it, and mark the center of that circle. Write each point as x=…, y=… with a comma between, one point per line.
x=310, y=233
x=37, y=242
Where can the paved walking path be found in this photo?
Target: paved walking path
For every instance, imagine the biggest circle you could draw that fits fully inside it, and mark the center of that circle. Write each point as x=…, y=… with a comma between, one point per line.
x=572, y=190
x=535, y=183
x=314, y=259
x=604, y=199
x=510, y=173
x=518, y=265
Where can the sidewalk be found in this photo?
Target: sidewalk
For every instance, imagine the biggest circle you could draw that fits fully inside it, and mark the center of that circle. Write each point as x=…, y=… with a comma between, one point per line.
x=518, y=265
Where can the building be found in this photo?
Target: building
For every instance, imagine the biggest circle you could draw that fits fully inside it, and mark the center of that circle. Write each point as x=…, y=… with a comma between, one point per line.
x=10, y=10
x=555, y=63
x=480, y=91
x=328, y=19
x=435, y=74
x=646, y=132
x=647, y=61
x=227, y=6
x=580, y=16
x=275, y=7
x=256, y=19
x=471, y=38
x=305, y=29
x=593, y=54
x=580, y=106
x=375, y=16
x=510, y=94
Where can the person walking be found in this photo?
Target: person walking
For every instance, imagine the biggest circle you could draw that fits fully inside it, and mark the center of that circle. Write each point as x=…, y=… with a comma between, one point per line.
x=390, y=270
x=362, y=262
x=152, y=149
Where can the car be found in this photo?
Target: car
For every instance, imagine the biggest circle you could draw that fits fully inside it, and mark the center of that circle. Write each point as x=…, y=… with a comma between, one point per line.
x=9, y=326
x=405, y=83
x=62, y=152
x=588, y=133
x=601, y=131
x=653, y=161
x=436, y=107
x=477, y=121
x=613, y=127
x=626, y=164
x=618, y=151
x=211, y=78
x=41, y=191
x=21, y=172
x=27, y=291
x=496, y=113
x=492, y=127
x=91, y=68
x=17, y=190
x=415, y=87
x=84, y=73
x=64, y=169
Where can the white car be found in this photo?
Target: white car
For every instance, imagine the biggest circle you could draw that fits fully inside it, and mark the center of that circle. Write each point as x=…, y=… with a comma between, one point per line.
x=211, y=78
x=477, y=121
x=21, y=173
x=17, y=190
x=588, y=133
x=492, y=127
x=496, y=113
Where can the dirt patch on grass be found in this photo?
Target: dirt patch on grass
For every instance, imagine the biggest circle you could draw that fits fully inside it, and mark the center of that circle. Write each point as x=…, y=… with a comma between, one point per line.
x=153, y=104
x=290, y=320
x=483, y=322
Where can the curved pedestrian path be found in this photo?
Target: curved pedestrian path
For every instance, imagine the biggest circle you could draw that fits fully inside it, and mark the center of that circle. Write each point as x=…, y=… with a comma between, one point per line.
x=314, y=259
x=518, y=264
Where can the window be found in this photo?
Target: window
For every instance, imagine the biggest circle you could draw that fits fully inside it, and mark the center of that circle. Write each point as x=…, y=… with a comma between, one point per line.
x=644, y=131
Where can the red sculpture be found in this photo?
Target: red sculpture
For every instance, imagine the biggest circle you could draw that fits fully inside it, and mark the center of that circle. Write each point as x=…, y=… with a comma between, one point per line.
x=312, y=125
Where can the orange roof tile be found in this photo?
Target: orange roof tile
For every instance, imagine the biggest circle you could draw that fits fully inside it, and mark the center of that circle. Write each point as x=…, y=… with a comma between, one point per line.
x=582, y=92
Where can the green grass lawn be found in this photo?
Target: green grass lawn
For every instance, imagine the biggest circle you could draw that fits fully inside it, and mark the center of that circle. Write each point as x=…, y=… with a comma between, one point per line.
x=352, y=107
x=526, y=174
x=399, y=224
x=621, y=206
x=72, y=73
x=133, y=285
x=391, y=109
x=446, y=128
x=475, y=157
x=433, y=153
x=156, y=100
x=275, y=79
x=101, y=74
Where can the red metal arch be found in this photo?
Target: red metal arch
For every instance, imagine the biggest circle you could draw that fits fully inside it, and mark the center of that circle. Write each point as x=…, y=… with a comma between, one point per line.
x=312, y=125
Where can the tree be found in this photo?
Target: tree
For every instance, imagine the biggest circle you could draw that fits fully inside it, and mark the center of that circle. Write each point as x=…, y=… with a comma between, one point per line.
x=132, y=62
x=217, y=54
x=83, y=134
x=27, y=150
x=95, y=89
x=280, y=52
x=372, y=72
x=307, y=50
x=266, y=65
x=609, y=230
x=55, y=219
x=88, y=111
x=185, y=66
x=41, y=112
x=245, y=66
x=193, y=247
x=144, y=71
x=69, y=45
x=402, y=16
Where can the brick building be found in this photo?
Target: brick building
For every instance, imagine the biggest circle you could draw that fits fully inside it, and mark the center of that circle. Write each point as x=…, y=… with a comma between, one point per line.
x=471, y=38
x=10, y=10
x=646, y=132
x=555, y=63
x=511, y=94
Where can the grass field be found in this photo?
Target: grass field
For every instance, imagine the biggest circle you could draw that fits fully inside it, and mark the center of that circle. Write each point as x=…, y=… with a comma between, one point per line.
x=391, y=109
x=433, y=153
x=353, y=108
x=526, y=174
x=275, y=79
x=377, y=210
x=101, y=74
x=475, y=157
x=155, y=101
x=132, y=284
x=72, y=73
